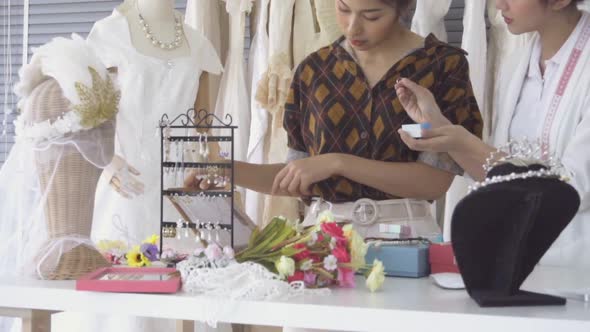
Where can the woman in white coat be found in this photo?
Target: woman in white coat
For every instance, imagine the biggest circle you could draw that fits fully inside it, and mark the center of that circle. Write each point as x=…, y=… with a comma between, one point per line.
x=544, y=95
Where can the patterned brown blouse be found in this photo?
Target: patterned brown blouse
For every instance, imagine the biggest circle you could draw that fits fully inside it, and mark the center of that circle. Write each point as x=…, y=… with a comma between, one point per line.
x=332, y=109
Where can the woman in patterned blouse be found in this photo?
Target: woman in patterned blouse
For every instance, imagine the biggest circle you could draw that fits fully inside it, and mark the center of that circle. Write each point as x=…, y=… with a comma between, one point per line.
x=342, y=114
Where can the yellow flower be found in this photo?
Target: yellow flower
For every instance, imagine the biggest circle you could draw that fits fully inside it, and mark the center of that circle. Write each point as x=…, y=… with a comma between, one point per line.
x=106, y=245
x=376, y=278
x=136, y=259
x=154, y=239
x=347, y=229
x=358, y=249
x=325, y=216
x=285, y=266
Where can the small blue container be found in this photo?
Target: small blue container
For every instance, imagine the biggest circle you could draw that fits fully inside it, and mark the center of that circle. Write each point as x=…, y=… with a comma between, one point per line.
x=401, y=260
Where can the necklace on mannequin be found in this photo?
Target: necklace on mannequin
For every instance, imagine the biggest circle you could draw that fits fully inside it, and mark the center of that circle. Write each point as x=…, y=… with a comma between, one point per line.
x=178, y=33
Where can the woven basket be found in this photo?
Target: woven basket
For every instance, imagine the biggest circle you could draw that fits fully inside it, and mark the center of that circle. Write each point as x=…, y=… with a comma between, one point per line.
x=70, y=183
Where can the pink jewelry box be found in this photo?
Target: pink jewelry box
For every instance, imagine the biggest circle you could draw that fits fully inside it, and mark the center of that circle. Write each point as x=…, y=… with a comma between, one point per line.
x=131, y=280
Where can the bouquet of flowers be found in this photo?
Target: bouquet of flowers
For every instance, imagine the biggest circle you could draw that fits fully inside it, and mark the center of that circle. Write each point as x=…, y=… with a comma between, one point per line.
x=324, y=255
x=118, y=253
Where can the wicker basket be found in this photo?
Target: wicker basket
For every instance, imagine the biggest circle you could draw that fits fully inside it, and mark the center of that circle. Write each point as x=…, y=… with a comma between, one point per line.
x=70, y=183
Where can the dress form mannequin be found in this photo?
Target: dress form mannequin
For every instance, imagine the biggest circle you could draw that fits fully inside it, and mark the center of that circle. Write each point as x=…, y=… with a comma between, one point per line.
x=160, y=16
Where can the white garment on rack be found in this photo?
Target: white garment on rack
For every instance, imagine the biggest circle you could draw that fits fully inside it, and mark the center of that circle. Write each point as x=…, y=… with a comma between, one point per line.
x=233, y=98
x=278, y=78
x=258, y=63
x=501, y=45
x=430, y=18
x=203, y=15
x=475, y=43
x=314, y=27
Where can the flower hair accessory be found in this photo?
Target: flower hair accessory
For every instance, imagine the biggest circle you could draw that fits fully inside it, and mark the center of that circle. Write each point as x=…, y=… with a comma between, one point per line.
x=84, y=81
x=522, y=153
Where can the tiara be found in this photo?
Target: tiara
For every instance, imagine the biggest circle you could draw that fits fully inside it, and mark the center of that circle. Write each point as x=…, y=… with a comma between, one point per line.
x=522, y=153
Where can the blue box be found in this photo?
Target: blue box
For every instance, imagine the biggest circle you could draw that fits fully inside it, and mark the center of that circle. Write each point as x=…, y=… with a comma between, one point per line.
x=401, y=260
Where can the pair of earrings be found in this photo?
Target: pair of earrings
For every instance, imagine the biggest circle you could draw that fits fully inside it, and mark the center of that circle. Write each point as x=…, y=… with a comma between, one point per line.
x=169, y=232
x=206, y=230
x=203, y=145
x=179, y=224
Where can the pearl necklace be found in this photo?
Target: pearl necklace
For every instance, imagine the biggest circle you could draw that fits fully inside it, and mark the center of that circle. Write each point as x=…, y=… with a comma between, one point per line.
x=178, y=33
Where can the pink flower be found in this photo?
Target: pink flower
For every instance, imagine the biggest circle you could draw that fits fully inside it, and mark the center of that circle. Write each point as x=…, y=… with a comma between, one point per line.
x=213, y=252
x=297, y=276
x=346, y=278
x=332, y=229
x=341, y=254
x=309, y=278
x=320, y=237
x=303, y=254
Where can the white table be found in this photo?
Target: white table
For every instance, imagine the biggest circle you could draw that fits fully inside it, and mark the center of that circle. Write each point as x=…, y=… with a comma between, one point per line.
x=404, y=304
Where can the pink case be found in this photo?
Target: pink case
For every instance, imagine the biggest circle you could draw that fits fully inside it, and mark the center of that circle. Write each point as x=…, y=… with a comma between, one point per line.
x=130, y=280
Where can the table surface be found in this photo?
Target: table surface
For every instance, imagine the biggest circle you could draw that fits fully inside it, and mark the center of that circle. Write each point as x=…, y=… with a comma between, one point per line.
x=411, y=304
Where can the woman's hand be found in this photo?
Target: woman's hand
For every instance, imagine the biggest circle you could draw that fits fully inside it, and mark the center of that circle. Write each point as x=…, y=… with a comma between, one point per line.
x=297, y=177
x=419, y=103
x=447, y=138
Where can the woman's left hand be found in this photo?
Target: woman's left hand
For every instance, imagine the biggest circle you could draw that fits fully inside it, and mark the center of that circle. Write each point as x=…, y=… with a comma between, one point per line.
x=297, y=177
x=442, y=139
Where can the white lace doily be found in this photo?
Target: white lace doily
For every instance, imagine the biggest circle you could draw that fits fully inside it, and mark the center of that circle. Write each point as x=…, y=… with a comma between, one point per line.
x=236, y=281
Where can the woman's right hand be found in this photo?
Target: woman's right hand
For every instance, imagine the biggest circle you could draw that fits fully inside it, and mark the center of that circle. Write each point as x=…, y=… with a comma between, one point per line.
x=419, y=103
x=123, y=178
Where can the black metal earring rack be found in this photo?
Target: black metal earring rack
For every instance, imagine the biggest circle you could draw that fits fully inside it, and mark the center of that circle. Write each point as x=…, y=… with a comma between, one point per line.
x=195, y=122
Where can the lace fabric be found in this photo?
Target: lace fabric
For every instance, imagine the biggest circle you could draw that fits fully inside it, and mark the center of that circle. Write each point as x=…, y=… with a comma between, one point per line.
x=229, y=280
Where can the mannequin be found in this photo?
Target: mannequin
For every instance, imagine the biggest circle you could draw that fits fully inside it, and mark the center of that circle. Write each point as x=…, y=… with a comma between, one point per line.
x=132, y=180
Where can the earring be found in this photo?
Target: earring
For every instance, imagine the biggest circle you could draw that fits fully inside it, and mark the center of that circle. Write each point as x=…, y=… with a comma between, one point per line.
x=179, y=223
x=210, y=228
x=200, y=144
x=198, y=231
x=217, y=232
x=187, y=226
x=206, y=151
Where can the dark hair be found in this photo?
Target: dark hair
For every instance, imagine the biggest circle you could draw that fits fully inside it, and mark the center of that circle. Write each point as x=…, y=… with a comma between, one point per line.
x=400, y=5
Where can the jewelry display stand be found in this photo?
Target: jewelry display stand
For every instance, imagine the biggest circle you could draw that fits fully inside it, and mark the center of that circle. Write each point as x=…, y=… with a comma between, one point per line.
x=206, y=207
